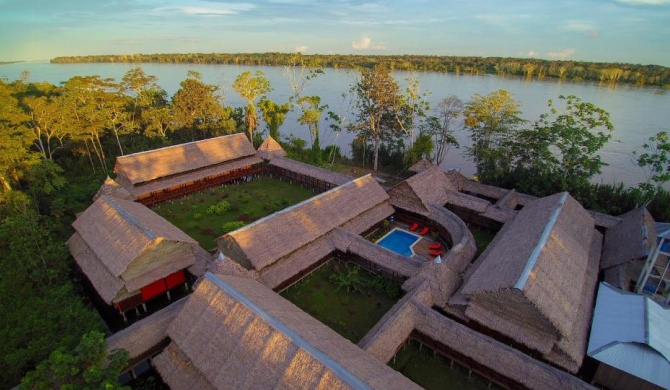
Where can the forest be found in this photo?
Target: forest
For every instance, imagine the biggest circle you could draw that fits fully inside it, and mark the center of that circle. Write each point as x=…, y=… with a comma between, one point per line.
x=609, y=73
x=58, y=144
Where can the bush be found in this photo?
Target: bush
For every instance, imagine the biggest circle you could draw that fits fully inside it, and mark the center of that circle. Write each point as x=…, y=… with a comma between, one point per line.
x=231, y=226
x=219, y=208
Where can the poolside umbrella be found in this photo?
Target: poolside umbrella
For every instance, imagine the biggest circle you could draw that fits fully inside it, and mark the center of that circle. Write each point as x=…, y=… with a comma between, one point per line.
x=438, y=259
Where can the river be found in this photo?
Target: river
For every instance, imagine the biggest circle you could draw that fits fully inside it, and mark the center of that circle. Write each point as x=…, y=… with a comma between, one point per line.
x=636, y=113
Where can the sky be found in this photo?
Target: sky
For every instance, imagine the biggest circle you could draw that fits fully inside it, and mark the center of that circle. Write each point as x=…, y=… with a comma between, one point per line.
x=630, y=31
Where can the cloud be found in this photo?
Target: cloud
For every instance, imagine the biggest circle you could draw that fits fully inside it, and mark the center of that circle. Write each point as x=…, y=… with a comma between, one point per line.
x=582, y=27
x=300, y=49
x=532, y=53
x=561, y=55
x=365, y=42
x=210, y=9
x=643, y=2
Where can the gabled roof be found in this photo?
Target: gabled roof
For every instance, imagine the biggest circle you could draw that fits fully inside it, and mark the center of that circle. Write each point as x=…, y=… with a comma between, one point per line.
x=430, y=186
x=543, y=253
x=268, y=239
x=421, y=165
x=154, y=164
x=111, y=188
x=334, y=178
x=119, y=230
x=111, y=234
x=631, y=239
x=270, y=148
x=236, y=333
x=631, y=333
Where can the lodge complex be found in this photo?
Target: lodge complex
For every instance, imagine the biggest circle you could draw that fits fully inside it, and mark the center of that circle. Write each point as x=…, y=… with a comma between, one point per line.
x=548, y=297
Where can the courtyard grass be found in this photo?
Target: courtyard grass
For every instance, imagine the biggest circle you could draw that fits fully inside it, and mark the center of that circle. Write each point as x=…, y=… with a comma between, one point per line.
x=344, y=297
x=204, y=214
x=482, y=236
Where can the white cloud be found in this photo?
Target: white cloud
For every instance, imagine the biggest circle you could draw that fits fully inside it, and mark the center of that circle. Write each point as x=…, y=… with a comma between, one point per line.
x=585, y=28
x=300, y=49
x=532, y=53
x=210, y=9
x=365, y=42
x=561, y=55
x=644, y=2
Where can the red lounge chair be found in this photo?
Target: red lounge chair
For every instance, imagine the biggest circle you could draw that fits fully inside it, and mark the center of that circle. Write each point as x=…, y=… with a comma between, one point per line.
x=435, y=246
x=435, y=252
x=424, y=231
x=414, y=227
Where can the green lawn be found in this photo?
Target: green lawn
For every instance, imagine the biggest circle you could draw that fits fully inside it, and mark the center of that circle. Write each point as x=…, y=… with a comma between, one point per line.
x=245, y=203
x=482, y=236
x=434, y=372
x=351, y=314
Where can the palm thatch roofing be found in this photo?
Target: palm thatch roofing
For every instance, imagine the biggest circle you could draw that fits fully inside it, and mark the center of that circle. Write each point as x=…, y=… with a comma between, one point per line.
x=307, y=170
x=421, y=165
x=123, y=246
x=154, y=164
x=236, y=333
x=147, y=333
x=532, y=280
x=270, y=149
x=111, y=188
x=263, y=242
x=632, y=239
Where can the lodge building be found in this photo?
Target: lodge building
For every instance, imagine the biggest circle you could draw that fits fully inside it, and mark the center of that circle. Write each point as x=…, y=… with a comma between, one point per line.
x=519, y=313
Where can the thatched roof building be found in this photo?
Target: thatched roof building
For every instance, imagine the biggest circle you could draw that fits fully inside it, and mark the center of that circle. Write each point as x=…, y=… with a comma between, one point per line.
x=270, y=149
x=185, y=165
x=421, y=165
x=315, y=177
x=535, y=283
x=122, y=247
x=111, y=188
x=236, y=333
x=267, y=240
x=632, y=239
x=630, y=339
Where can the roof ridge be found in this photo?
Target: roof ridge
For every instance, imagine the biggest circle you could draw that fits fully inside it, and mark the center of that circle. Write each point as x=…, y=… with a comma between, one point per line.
x=534, y=256
x=130, y=218
x=177, y=146
x=303, y=344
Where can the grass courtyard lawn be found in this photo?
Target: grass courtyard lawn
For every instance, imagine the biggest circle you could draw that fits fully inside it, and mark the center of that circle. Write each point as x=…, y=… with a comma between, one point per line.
x=351, y=314
x=244, y=203
x=434, y=372
x=482, y=236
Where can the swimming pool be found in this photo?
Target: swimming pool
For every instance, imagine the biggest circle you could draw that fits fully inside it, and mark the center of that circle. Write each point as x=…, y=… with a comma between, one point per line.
x=399, y=241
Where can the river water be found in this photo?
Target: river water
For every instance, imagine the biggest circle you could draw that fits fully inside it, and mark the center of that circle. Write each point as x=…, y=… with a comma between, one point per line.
x=636, y=113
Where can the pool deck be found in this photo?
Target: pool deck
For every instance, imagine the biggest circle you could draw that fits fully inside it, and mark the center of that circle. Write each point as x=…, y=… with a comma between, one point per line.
x=421, y=250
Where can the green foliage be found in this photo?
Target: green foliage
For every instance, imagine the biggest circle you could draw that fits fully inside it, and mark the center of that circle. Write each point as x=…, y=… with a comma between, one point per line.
x=524, y=67
x=84, y=368
x=250, y=87
x=349, y=277
x=40, y=310
x=420, y=149
x=492, y=120
x=219, y=209
x=274, y=115
x=232, y=226
x=655, y=159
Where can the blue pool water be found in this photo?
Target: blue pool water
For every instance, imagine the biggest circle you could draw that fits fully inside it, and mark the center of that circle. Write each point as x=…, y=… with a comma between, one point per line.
x=399, y=241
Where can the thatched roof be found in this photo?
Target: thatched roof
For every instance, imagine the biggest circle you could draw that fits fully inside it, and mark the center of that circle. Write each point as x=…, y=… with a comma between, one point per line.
x=632, y=239
x=270, y=149
x=420, y=166
x=154, y=164
x=111, y=188
x=176, y=181
x=430, y=186
x=334, y=178
x=530, y=282
x=265, y=241
x=121, y=244
x=147, y=333
x=236, y=333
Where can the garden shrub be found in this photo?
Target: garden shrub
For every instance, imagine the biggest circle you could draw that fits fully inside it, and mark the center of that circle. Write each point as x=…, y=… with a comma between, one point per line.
x=231, y=226
x=219, y=208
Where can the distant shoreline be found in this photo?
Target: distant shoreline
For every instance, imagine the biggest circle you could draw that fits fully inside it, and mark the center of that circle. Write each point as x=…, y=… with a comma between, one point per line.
x=532, y=69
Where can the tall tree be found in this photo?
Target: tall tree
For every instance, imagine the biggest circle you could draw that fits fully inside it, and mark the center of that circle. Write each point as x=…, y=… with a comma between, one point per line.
x=15, y=138
x=413, y=108
x=147, y=103
x=655, y=160
x=311, y=115
x=445, y=124
x=274, y=115
x=377, y=100
x=491, y=119
x=564, y=144
x=250, y=87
